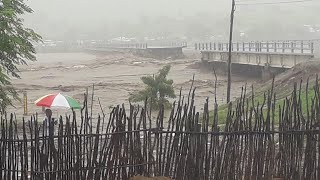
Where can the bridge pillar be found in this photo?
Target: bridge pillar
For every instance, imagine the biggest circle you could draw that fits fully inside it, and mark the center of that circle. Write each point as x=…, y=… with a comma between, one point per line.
x=266, y=73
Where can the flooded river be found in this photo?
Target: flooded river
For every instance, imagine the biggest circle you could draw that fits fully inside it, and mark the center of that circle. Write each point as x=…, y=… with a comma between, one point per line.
x=115, y=76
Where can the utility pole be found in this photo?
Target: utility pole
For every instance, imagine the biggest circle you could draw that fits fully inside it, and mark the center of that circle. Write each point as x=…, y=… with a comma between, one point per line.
x=233, y=8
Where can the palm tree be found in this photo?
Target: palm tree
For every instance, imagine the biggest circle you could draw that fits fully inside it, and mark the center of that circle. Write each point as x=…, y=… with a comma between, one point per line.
x=158, y=89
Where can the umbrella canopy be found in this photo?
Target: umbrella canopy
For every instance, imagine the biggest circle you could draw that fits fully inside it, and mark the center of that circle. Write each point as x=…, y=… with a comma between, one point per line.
x=57, y=100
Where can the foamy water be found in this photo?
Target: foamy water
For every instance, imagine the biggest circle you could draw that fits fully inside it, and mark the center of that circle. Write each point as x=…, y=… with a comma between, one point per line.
x=115, y=77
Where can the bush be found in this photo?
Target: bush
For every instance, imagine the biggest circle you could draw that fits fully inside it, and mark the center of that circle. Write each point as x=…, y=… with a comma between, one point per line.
x=158, y=89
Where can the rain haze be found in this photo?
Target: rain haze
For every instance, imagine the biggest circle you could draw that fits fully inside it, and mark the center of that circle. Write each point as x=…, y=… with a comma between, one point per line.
x=187, y=89
x=95, y=28
x=102, y=19
x=116, y=75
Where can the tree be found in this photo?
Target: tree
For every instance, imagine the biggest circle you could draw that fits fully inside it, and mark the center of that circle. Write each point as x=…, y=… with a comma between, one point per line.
x=15, y=47
x=158, y=89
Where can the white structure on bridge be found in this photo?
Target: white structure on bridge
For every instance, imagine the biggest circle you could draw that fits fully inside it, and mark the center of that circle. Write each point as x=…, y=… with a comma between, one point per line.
x=285, y=54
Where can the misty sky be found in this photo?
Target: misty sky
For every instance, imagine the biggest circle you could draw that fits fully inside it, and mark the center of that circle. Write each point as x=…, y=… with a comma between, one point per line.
x=88, y=18
x=124, y=9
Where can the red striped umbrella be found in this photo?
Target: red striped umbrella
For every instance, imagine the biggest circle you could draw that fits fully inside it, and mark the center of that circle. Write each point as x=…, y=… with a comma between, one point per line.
x=57, y=100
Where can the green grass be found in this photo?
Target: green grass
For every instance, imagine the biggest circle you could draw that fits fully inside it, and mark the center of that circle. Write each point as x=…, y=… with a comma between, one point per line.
x=305, y=98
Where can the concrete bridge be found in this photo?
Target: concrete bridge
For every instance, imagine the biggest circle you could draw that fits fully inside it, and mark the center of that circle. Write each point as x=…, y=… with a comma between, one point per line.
x=258, y=58
x=152, y=50
x=158, y=50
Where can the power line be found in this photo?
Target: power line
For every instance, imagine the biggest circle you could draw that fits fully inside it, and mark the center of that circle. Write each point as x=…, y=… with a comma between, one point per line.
x=269, y=3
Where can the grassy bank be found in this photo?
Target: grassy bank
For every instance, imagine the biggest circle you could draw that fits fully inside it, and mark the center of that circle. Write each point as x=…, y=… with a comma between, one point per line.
x=305, y=94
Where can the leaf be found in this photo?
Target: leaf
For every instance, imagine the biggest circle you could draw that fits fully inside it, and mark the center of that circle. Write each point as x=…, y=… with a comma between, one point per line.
x=148, y=80
x=157, y=89
x=15, y=47
x=164, y=71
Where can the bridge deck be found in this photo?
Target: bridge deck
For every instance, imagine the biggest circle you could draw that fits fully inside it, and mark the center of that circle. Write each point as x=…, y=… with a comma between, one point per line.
x=283, y=60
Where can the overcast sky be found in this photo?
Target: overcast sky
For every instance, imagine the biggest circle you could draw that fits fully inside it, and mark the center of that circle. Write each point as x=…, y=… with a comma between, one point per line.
x=79, y=11
x=51, y=18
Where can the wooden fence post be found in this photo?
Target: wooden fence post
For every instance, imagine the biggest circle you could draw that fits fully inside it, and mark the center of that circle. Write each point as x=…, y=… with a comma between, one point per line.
x=25, y=103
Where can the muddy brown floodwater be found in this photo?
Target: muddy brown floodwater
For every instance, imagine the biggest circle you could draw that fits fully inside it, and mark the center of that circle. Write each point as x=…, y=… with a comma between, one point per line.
x=115, y=77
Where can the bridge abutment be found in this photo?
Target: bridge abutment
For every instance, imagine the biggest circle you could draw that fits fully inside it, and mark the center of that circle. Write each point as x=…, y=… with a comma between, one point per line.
x=245, y=70
x=268, y=72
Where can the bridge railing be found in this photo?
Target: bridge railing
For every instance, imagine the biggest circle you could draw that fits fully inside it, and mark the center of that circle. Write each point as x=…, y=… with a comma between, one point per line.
x=272, y=47
x=138, y=45
x=168, y=44
x=120, y=45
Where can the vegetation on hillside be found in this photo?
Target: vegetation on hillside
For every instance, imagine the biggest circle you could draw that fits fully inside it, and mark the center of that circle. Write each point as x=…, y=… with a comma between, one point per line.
x=305, y=94
x=302, y=77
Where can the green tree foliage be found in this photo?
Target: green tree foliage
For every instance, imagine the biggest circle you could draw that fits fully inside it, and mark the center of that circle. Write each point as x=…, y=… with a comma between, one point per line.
x=15, y=46
x=158, y=89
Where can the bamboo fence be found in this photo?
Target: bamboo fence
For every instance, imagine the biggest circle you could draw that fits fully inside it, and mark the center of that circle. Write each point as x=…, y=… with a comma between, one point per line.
x=254, y=143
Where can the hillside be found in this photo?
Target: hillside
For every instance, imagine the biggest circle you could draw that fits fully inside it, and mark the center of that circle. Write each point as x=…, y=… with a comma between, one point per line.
x=284, y=84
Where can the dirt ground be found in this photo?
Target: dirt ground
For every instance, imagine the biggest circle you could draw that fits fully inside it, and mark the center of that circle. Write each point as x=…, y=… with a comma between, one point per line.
x=115, y=76
x=301, y=73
